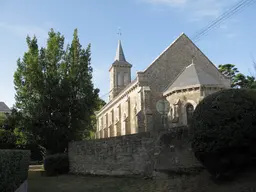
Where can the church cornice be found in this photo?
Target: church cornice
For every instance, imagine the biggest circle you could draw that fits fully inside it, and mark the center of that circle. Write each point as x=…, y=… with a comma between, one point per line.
x=191, y=88
x=121, y=64
x=130, y=87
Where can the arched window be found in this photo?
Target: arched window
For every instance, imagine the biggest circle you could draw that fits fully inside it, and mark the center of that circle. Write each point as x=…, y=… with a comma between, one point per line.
x=189, y=111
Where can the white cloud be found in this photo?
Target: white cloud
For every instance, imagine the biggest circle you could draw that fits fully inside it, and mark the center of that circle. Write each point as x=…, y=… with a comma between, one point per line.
x=24, y=30
x=168, y=2
x=196, y=9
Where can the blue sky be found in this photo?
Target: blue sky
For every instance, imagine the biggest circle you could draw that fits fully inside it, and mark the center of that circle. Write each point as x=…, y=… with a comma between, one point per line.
x=148, y=27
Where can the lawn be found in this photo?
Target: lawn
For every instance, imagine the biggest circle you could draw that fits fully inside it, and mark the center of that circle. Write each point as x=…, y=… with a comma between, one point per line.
x=198, y=183
x=68, y=183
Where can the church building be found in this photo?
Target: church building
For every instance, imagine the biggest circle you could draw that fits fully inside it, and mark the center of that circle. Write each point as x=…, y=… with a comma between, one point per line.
x=162, y=96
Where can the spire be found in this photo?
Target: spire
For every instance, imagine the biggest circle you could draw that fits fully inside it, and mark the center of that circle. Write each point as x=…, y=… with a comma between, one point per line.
x=120, y=53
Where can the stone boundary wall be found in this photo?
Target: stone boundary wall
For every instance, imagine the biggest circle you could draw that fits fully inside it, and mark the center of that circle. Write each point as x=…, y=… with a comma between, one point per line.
x=142, y=154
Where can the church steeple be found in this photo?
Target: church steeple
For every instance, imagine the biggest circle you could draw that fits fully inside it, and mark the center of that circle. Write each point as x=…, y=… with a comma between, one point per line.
x=120, y=73
x=120, y=53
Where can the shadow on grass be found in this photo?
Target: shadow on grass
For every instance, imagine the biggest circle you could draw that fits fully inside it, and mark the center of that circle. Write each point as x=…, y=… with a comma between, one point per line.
x=67, y=183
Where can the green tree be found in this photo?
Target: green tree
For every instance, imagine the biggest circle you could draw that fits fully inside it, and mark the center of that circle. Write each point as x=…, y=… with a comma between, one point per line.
x=13, y=120
x=228, y=70
x=238, y=80
x=7, y=139
x=99, y=105
x=54, y=91
x=2, y=120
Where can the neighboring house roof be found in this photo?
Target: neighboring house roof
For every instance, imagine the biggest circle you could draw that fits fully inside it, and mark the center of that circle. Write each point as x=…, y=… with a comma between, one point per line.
x=4, y=108
x=191, y=76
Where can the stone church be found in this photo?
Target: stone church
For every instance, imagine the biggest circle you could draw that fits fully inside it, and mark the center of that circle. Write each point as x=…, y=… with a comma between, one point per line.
x=162, y=96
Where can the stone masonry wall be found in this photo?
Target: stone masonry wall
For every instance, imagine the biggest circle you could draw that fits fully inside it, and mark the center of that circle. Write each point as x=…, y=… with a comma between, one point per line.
x=127, y=109
x=138, y=154
x=170, y=63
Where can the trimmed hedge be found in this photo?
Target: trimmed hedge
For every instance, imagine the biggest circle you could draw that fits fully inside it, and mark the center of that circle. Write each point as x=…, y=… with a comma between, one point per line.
x=224, y=130
x=7, y=139
x=14, y=165
x=56, y=164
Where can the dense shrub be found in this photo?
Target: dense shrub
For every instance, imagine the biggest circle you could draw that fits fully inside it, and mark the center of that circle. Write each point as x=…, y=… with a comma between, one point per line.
x=7, y=139
x=14, y=166
x=224, y=130
x=36, y=151
x=56, y=164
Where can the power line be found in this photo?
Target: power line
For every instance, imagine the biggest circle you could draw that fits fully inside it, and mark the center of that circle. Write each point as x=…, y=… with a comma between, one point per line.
x=104, y=95
x=219, y=17
x=235, y=9
x=227, y=14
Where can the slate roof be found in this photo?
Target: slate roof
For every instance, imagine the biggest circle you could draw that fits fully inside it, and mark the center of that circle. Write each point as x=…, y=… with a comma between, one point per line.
x=4, y=108
x=191, y=76
x=120, y=53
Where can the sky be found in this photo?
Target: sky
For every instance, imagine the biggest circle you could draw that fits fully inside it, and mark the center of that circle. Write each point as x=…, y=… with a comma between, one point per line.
x=147, y=26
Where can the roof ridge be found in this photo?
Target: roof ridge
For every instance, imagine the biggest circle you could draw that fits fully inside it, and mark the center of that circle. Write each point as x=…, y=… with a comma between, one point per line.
x=167, y=87
x=196, y=72
x=205, y=56
x=173, y=42
x=198, y=69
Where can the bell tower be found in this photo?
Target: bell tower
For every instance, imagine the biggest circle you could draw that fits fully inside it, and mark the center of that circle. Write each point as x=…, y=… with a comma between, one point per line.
x=120, y=73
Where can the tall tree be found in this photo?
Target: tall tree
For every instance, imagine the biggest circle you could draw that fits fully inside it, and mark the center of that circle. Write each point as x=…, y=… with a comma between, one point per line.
x=230, y=71
x=99, y=105
x=238, y=80
x=54, y=91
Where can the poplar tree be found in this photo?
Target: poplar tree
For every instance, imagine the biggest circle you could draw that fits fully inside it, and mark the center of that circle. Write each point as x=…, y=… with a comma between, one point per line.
x=54, y=91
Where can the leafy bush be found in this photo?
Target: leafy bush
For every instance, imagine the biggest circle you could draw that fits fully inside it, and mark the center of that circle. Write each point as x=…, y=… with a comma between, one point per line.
x=14, y=166
x=56, y=164
x=36, y=151
x=2, y=119
x=224, y=130
x=7, y=139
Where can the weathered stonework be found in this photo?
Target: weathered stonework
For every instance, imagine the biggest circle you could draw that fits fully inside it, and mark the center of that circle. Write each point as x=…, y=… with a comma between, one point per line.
x=132, y=106
x=140, y=154
x=180, y=99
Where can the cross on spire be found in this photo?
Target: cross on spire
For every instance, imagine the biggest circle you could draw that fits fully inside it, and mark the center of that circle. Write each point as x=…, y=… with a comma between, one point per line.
x=119, y=33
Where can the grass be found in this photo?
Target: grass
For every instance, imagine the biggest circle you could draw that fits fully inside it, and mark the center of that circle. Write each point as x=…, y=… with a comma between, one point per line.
x=196, y=183
x=68, y=183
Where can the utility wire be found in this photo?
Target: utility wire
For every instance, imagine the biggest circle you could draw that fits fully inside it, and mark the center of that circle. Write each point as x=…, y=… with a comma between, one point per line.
x=235, y=9
x=227, y=14
x=104, y=95
x=218, y=18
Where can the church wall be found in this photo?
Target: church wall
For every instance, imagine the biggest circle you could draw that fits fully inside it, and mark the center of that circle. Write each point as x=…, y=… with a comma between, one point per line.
x=192, y=96
x=187, y=96
x=141, y=154
x=121, y=118
x=209, y=90
x=164, y=69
